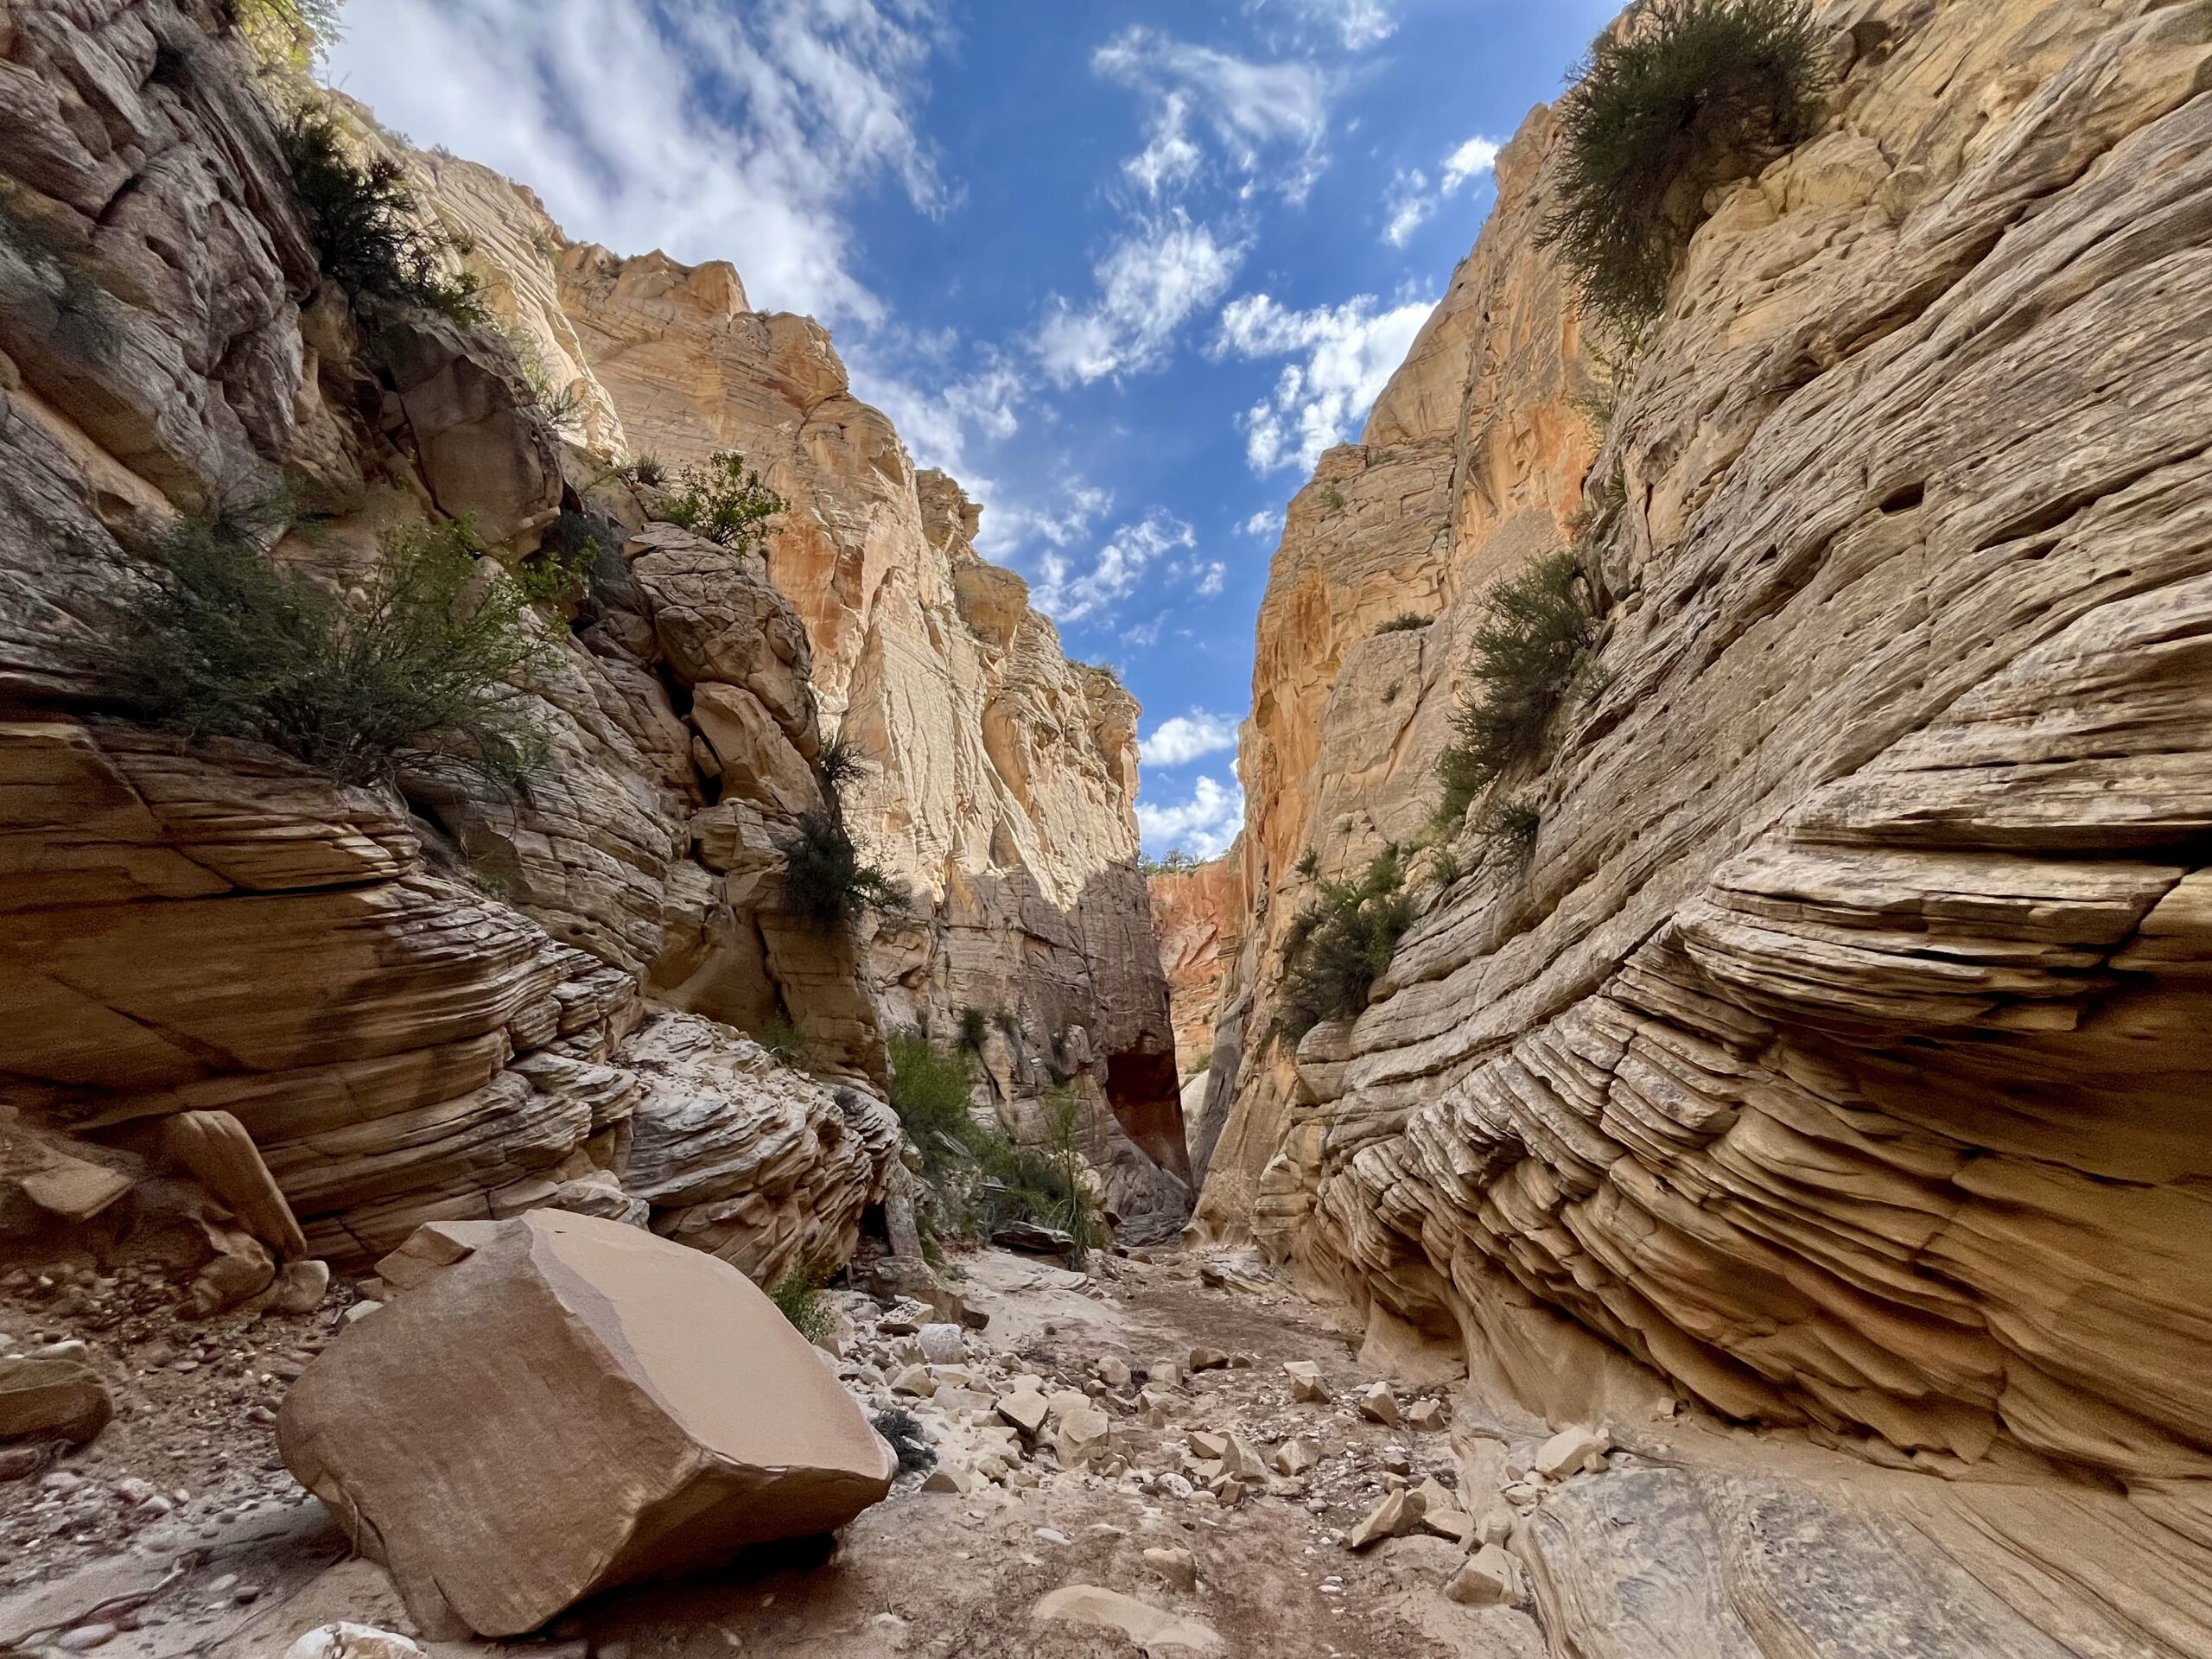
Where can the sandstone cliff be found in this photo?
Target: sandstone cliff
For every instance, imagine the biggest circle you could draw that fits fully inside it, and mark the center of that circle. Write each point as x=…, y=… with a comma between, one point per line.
x=441, y=1002
x=999, y=778
x=1833, y=1062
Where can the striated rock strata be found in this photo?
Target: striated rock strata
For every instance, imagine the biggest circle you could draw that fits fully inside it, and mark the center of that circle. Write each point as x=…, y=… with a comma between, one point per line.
x=1834, y=1060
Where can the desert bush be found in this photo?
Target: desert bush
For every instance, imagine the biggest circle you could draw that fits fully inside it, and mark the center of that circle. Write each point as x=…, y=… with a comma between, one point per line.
x=1679, y=96
x=1309, y=863
x=929, y=1091
x=973, y=1025
x=644, y=470
x=902, y=1431
x=1339, y=944
x=724, y=500
x=1406, y=622
x=785, y=1043
x=367, y=227
x=560, y=571
x=1176, y=862
x=1330, y=497
x=227, y=643
x=1532, y=648
x=1505, y=833
x=826, y=882
x=799, y=1299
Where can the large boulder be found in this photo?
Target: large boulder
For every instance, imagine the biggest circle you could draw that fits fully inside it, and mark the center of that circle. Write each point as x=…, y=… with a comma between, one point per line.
x=550, y=1406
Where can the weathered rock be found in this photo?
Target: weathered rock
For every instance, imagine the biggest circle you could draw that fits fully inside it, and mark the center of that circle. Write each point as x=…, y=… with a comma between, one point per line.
x=52, y=1392
x=1295, y=1456
x=1152, y=1630
x=348, y=1641
x=1025, y=1409
x=1489, y=1580
x=1307, y=1385
x=555, y=1404
x=221, y=1155
x=1379, y=1405
x=1177, y=1566
x=942, y=1344
x=1394, y=1517
x=300, y=1285
x=238, y=1269
x=1085, y=1434
x=1573, y=1451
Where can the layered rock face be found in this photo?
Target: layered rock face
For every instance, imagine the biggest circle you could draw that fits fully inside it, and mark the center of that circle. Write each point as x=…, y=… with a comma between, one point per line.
x=414, y=1001
x=1834, y=1061
x=419, y=1003
x=999, y=779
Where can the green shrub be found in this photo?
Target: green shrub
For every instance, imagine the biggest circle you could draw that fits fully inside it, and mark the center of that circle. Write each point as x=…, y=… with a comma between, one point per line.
x=826, y=882
x=293, y=35
x=1679, y=96
x=644, y=470
x=799, y=1299
x=1204, y=1065
x=1330, y=497
x=975, y=1024
x=1532, y=648
x=724, y=500
x=227, y=643
x=1309, y=863
x=1406, y=623
x=785, y=1043
x=1176, y=862
x=366, y=226
x=560, y=571
x=1505, y=833
x=929, y=1091
x=1340, y=943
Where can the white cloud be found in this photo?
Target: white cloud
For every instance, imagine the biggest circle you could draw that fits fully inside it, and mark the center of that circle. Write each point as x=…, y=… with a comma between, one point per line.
x=719, y=132
x=1253, y=111
x=1410, y=202
x=940, y=419
x=1176, y=742
x=1069, y=595
x=1356, y=23
x=1472, y=160
x=1210, y=582
x=1204, y=825
x=1349, y=354
x=1154, y=280
x=1410, y=206
x=1262, y=525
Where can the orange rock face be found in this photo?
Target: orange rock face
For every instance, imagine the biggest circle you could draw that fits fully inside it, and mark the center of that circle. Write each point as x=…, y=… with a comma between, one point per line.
x=1198, y=914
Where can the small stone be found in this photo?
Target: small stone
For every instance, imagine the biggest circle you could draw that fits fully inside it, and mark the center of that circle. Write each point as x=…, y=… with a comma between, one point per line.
x=1025, y=1409
x=1379, y=1405
x=349, y=1641
x=1573, y=1450
x=942, y=1344
x=1115, y=1374
x=1456, y=1524
x=1208, y=1446
x=1083, y=1435
x=1295, y=1456
x=300, y=1285
x=1394, y=1517
x=1427, y=1415
x=85, y=1637
x=1242, y=1463
x=1488, y=1580
x=1163, y=1374
x=1306, y=1386
x=1397, y=1460
x=361, y=1311
x=1495, y=1527
x=1207, y=1359
x=1178, y=1567
x=915, y=1379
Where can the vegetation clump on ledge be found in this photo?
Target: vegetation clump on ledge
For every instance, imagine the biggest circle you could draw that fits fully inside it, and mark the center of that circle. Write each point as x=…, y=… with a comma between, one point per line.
x=1339, y=944
x=826, y=882
x=226, y=642
x=1533, y=648
x=721, y=499
x=367, y=227
x=1682, y=95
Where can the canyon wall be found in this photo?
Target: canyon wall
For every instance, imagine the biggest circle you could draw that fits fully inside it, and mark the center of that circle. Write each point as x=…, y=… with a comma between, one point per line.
x=437, y=1000
x=1834, y=1060
x=998, y=778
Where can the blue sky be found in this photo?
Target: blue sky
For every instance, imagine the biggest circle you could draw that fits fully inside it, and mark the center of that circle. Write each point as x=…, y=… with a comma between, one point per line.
x=1123, y=269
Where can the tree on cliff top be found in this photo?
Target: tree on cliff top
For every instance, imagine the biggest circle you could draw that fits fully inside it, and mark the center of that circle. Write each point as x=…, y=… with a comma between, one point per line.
x=724, y=500
x=367, y=225
x=1679, y=96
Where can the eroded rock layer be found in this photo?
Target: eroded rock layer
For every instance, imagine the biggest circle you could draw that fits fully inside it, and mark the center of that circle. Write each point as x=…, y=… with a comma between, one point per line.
x=1837, y=1056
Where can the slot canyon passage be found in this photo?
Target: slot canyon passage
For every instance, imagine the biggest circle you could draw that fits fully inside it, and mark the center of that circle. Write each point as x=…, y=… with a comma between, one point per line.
x=777, y=1171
